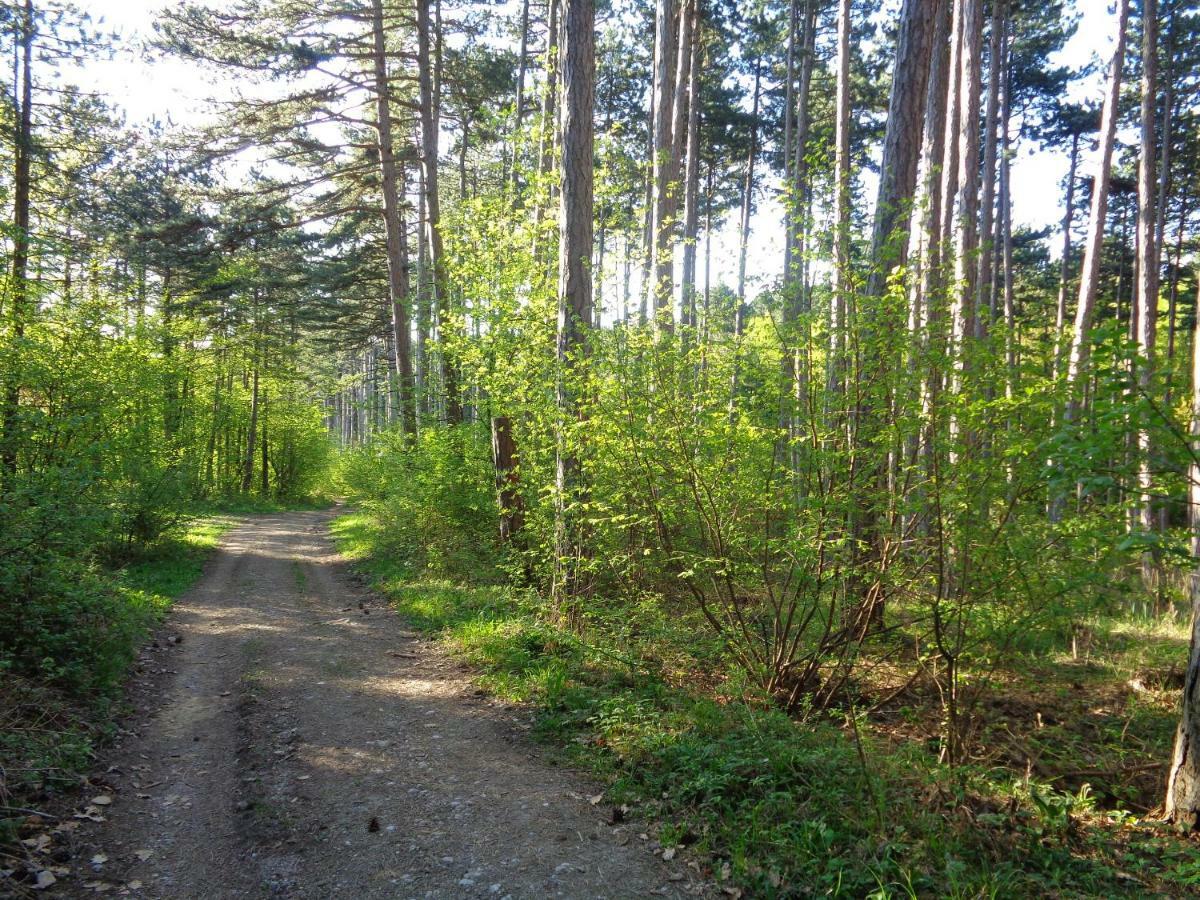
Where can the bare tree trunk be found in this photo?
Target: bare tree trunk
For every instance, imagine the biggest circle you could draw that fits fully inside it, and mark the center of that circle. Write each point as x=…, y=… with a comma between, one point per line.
x=19, y=313
x=251, y=434
x=508, y=479
x=433, y=217
x=1147, y=289
x=1182, y=803
x=747, y=203
x=662, y=152
x=966, y=204
x=519, y=113
x=841, y=205
x=901, y=142
x=1064, y=268
x=789, y=111
x=926, y=224
x=574, y=290
x=1090, y=271
x=394, y=231
x=799, y=186
x=987, y=205
x=1006, y=244
x=691, y=177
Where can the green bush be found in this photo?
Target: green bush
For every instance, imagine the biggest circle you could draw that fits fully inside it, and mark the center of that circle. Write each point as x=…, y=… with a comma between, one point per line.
x=433, y=500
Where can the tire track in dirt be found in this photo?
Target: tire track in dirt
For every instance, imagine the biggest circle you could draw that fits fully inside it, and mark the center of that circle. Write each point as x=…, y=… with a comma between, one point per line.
x=305, y=744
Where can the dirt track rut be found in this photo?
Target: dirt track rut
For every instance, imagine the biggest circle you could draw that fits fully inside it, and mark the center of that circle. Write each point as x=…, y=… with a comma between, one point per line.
x=298, y=742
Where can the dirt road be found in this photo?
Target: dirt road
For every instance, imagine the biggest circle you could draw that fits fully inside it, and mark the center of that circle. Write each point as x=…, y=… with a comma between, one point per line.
x=297, y=741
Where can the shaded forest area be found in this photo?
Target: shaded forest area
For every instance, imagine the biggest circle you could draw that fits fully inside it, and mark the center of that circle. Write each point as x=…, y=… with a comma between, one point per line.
x=875, y=575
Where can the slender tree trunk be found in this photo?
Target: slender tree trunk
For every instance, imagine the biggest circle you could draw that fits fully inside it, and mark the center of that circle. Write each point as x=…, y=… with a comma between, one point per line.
x=394, y=231
x=519, y=113
x=987, y=205
x=1090, y=271
x=508, y=479
x=691, y=177
x=789, y=115
x=251, y=433
x=1147, y=288
x=839, y=303
x=433, y=218
x=662, y=153
x=265, y=479
x=1064, y=267
x=901, y=142
x=574, y=293
x=966, y=204
x=747, y=203
x=799, y=188
x=1006, y=243
x=20, y=310
x=1182, y=803
x=926, y=219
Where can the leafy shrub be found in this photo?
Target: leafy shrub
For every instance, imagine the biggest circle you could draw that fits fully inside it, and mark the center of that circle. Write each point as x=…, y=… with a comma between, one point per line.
x=433, y=501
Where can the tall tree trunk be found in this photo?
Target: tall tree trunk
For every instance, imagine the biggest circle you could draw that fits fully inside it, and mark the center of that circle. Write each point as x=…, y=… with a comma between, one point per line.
x=987, y=204
x=1005, y=223
x=841, y=205
x=508, y=479
x=789, y=114
x=966, y=203
x=574, y=292
x=394, y=232
x=1090, y=272
x=747, y=203
x=1182, y=803
x=426, y=63
x=799, y=188
x=519, y=112
x=691, y=177
x=662, y=152
x=901, y=142
x=19, y=313
x=251, y=433
x=265, y=475
x=1064, y=266
x=1147, y=288
x=547, y=134
x=926, y=223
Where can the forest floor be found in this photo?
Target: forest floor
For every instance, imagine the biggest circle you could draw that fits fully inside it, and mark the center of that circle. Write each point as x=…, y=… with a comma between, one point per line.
x=291, y=737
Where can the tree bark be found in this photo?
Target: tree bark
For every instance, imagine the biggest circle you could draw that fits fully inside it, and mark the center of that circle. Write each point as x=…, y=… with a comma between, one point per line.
x=1090, y=271
x=901, y=142
x=1064, y=267
x=987, y=204
x=966, y=203
x=508, y=479
x=841, y=204
x=574, y=291
x=691, y=177
x=394, y=231
x=747, y=203
x=519, y=112
x=1146, y=313
x=662, y=152
x=433, y=216
x=1182, y=803
x=19, y=313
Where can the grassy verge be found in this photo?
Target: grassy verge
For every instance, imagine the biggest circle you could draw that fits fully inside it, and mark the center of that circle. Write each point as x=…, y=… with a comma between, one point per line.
x=848, y=804
x=49, y=726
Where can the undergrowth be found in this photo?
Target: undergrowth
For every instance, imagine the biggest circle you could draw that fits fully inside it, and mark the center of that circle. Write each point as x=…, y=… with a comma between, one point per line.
x=823, y=803
x=62, y=664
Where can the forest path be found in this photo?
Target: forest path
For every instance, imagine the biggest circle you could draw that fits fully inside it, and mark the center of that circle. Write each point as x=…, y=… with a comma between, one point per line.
x=297, y=741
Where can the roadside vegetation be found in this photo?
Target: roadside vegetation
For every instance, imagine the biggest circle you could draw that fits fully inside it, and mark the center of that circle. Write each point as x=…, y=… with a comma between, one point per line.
x=1057, y=793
